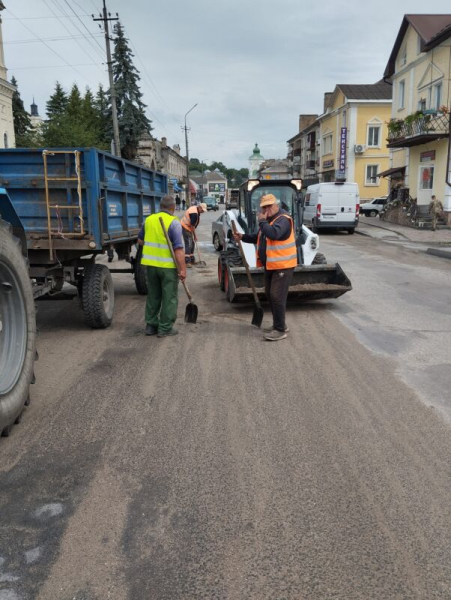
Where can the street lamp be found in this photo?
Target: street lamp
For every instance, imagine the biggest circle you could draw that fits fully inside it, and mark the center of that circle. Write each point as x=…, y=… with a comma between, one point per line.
x=188, y=197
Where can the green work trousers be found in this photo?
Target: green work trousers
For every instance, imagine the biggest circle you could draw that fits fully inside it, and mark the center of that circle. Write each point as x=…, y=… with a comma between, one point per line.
x=162, y=298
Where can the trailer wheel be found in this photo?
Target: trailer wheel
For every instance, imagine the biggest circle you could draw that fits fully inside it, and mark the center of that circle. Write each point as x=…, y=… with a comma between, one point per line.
x=140, y=274
x=98, y=296
x=319, y=259
x=17, y=331
x=221, y=271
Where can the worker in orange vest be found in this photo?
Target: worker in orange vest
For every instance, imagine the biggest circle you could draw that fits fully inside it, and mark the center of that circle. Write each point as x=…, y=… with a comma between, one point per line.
x=190, y=221
x=276, y=252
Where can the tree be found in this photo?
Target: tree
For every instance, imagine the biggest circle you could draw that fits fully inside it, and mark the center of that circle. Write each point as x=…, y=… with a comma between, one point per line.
x=74, y=108
x=101, y=104
x=22, y=123
x=56, y=106
x=133, y=122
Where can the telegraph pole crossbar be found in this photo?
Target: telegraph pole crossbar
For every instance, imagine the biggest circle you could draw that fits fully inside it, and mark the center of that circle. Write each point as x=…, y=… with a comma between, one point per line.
x=105, y=20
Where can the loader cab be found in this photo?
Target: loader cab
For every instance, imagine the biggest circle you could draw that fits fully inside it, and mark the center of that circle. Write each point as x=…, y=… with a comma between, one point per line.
x=288, y=196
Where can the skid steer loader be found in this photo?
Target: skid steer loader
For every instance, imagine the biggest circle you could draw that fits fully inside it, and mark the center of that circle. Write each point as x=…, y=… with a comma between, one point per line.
x=313, y=278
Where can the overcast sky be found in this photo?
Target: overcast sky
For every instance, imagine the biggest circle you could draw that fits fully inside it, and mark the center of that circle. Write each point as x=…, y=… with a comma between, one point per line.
x=252, y=66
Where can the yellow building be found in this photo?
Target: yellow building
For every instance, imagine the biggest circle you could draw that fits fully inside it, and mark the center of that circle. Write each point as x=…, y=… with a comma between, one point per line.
x=353, y=132
x=419, y=68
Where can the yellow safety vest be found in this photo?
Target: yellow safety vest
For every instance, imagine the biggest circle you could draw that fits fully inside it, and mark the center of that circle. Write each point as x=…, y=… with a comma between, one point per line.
x=156, y=251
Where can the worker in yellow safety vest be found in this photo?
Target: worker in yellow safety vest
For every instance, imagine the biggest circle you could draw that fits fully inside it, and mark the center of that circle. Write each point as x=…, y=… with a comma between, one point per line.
x=276, y=252
x=161, y=270
x=190, y=221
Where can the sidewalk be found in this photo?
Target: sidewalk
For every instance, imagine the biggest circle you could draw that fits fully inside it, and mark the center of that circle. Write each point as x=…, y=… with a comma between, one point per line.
x=433, y=242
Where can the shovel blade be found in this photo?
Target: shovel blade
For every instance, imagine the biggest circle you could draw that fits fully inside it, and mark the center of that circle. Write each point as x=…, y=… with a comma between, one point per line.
x=257, y=317
x=191, y=313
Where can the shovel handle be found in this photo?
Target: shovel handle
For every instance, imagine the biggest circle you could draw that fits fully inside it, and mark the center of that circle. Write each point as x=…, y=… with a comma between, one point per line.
x=246, y=266
x=163, y=226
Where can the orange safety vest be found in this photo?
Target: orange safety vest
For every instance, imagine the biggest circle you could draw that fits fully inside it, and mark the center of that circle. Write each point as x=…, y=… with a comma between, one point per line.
x=186, y=220
x=280, y=254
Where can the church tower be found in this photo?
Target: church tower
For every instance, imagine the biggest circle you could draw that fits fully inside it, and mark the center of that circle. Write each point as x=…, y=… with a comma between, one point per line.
x=255, y=160
x=7, y=138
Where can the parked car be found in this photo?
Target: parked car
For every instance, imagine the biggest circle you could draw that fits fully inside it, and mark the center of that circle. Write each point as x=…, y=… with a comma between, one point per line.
x=373, y=208
x=332, y=206
x=217, y=233
x=211, y=203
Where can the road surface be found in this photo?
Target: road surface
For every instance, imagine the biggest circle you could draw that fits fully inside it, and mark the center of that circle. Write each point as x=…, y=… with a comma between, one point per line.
x=215, y=465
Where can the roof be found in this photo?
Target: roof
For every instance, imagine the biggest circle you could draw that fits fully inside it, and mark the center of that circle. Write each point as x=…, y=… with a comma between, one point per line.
x=392, y=171
x=432, y=29
x=371, y=91
x=208, y=176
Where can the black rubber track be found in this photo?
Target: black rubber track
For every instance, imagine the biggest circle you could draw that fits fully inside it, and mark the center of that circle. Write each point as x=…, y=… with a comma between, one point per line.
x=94, y=279
x=140, y=274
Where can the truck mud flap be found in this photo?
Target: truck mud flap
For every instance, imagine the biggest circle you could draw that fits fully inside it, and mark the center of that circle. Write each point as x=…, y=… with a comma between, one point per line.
x=309, y=283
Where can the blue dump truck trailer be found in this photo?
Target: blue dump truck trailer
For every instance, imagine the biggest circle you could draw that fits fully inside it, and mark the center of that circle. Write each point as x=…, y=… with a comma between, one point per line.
x=59, y=210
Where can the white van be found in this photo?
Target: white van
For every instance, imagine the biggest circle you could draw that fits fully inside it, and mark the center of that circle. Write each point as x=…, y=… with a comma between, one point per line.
x=332, y=206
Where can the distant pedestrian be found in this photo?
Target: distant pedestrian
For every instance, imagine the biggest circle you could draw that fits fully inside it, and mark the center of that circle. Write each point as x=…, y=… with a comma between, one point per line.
x=435, y=210
x=190, y=221
x=161, y=270
x=183, y=204
x=177, y=202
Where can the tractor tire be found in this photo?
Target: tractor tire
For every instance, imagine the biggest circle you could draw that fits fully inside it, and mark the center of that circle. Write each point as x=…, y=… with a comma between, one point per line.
x=140, y=274
x=17, y=331
x=221, y=270
x=319, y=259
x=98, y=296
x=217, y=243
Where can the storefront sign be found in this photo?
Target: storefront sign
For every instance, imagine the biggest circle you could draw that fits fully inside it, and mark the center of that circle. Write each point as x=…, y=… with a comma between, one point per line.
x=216, y=187
x=342, y=161
x=328, y=164
x=427, y=156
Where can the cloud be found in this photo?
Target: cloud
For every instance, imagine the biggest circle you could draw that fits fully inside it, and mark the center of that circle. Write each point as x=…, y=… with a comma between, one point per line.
x=252, y=67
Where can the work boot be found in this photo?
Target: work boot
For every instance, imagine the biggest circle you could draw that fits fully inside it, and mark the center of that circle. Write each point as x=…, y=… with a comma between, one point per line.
x=269, y=329
x=275, y=336
x=151, y=329
x=172, y=331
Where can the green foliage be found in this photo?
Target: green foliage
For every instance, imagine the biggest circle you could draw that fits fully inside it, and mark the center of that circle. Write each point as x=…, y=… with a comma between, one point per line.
x=26, y=136
x=101, y=105
x=133, y=122
x=76, y=122
x=235, y=177
x=57, y=103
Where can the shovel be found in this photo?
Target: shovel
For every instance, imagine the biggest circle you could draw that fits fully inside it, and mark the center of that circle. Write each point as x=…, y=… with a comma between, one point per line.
x=257, y=317
x=191, y=308
x=201, y=263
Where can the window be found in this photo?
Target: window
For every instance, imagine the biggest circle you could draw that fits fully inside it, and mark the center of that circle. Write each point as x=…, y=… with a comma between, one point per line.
x=343, y=122
x=5, y=140
x=426, y=178
x=422, y=104
x=327, y=144
x=418, y=45
x=437, y=96
x=371, y=175
x=374, y=136
x=403, y=57
x=401, y=93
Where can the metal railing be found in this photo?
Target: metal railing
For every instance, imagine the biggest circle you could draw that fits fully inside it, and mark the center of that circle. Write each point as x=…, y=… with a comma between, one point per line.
x=427, y=124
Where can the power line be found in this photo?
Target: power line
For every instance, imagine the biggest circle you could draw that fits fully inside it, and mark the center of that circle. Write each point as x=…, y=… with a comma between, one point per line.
x=90, y=32
x=40, y=18
x=50, y=39
x=68, y=30
x=91, y=45
x=54, y=67
x=47, y=45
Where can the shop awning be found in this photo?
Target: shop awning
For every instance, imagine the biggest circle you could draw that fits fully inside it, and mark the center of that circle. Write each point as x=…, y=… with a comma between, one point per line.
x=393, y=171
x=177, y=188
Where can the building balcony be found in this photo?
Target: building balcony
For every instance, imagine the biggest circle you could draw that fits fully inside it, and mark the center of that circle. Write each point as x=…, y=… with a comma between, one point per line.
x=416, y=129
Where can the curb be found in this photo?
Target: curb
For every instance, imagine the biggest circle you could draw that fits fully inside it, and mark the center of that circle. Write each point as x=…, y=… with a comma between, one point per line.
x=387, y=229
x=439, y=252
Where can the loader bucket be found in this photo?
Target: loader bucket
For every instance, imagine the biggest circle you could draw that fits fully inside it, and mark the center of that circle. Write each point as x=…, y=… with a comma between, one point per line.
x=314, y=282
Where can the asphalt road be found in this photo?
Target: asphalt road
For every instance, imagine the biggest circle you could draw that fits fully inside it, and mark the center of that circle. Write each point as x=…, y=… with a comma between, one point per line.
x=215, y=465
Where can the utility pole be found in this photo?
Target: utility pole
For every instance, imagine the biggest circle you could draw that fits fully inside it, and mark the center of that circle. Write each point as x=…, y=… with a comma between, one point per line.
x=188, y=195
x=105, y=19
